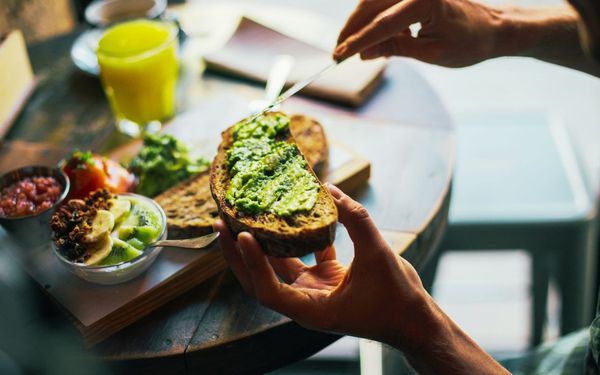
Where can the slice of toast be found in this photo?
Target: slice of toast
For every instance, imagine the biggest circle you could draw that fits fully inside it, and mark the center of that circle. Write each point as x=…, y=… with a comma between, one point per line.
x=190, y=209
x=292, y=236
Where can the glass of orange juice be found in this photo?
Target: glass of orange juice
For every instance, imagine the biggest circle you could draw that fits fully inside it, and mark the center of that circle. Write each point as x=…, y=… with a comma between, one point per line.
x=138, y=69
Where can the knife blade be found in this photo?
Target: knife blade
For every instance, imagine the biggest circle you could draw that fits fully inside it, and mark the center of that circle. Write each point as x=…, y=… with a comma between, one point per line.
x=295, y=88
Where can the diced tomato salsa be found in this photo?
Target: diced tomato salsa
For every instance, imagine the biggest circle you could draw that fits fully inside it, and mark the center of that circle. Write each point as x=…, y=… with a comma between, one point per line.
x=29, y=196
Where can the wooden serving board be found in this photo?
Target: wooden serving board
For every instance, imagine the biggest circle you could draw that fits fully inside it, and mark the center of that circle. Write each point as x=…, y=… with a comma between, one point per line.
x=99, y=311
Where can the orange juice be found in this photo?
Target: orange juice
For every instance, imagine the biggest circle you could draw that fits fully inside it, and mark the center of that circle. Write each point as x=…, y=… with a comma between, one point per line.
x=138, y=68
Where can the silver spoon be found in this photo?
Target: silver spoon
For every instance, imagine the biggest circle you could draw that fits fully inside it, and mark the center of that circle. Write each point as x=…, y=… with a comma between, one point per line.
x=189, y=243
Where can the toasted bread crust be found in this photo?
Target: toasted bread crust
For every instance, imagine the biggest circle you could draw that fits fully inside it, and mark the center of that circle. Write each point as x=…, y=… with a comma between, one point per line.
x=294, y=236
x=189, y=207
x=312, y=142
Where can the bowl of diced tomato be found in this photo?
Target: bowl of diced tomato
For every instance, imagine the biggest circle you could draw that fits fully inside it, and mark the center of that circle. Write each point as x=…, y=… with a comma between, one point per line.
x=28, y=198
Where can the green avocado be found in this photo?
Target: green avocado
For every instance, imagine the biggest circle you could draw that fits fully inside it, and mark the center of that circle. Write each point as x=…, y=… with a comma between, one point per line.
x=268, y=174
x=164, y=162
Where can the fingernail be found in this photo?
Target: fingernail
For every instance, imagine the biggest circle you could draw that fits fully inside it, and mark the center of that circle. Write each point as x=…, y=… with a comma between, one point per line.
x=335, y=191
x=242, y=249
x=238, y=237
x=341, y=49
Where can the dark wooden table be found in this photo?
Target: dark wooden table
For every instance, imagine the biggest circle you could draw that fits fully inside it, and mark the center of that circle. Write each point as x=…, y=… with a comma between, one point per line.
x=215, y=328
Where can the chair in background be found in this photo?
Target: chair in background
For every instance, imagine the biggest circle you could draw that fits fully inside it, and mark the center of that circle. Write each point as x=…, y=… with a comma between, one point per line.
x=518, y=186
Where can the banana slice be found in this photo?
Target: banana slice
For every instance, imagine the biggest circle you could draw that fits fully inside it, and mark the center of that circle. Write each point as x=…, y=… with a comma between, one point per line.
x=99, y=250
x=119, y=207
x=102, y=225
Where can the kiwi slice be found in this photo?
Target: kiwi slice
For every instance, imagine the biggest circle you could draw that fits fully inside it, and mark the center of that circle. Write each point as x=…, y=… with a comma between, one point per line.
x=142, y=214
x=126, y=232
x=142, y=223
x=144, y=234
x=121, y=252
x=147, y=234
x=136, y=243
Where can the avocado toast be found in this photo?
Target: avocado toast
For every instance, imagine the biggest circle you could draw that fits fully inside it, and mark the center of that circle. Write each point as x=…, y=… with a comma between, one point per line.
x=264, y=185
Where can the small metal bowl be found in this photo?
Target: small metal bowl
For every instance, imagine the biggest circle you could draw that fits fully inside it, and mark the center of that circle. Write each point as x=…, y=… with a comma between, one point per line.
x=122, y=272
x=33, y=230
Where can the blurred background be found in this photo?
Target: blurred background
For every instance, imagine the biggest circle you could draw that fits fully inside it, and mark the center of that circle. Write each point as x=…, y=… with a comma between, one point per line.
x=536, y=123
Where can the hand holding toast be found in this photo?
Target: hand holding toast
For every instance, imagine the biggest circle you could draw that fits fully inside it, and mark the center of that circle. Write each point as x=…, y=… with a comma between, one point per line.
x=379, y=296
x=379, y=290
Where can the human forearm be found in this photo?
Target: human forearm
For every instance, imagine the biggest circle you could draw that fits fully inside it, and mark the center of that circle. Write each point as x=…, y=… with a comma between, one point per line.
x=379, y=296
x=457, y=33
x=545, y=33
x=445, y=348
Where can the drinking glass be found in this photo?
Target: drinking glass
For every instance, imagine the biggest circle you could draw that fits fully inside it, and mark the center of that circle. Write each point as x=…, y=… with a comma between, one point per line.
x=138, y=70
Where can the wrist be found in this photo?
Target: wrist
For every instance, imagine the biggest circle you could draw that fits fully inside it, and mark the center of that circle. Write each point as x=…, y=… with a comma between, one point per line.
x=541, y=32
x=444, y=347
x=412, y=330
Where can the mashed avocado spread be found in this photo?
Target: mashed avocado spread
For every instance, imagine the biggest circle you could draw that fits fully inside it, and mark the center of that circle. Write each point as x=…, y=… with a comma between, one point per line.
x=268, y=175
x=164, y=162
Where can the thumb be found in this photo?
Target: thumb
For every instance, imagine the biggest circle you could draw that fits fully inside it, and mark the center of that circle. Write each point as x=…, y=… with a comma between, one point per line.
x=356, y=219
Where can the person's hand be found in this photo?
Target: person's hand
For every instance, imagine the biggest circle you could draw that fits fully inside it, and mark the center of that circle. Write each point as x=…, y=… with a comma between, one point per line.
x=453, y=33
x=379, y=296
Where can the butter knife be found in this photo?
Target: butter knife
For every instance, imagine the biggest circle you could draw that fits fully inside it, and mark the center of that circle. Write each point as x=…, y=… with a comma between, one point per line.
x=295, y=88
